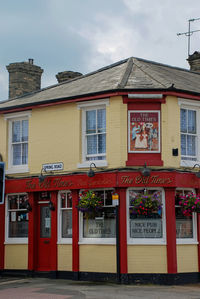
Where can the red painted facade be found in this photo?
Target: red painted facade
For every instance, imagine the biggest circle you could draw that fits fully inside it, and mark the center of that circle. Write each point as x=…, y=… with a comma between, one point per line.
x=120, y=180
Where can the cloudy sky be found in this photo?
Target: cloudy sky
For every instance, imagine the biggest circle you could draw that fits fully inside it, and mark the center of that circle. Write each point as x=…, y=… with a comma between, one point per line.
x=85, y=35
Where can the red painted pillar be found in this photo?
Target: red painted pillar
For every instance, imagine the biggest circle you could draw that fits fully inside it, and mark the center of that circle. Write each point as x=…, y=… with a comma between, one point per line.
x=75, y=234
x=198, y=238
x=54, y=230
x=32, y=229
x=171, y=230
x=123, y=233
x=2, y=235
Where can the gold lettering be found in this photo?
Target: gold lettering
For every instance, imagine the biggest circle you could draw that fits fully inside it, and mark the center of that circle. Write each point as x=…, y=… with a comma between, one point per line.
x=30, y=185
x=126, y=179
x=141, y=180
x=60, y=183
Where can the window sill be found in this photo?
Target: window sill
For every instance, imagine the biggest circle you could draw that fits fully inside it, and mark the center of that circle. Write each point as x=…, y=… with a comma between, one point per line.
x=17, y=169
x=16, y=241
x=65, y=242
x=97, y=241
x=187, y=163
x=186, y=242
x=147, y=242
x=98, y=163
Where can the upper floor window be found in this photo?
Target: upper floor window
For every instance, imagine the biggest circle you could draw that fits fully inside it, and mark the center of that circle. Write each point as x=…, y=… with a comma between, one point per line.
x=16, y=218
x=93, y=132
x=18, y=142
x=188, y=134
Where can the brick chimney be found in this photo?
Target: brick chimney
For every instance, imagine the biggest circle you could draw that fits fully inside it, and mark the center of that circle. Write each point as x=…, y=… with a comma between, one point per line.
x=194, y=62
x=68, y=75
x=24, y=77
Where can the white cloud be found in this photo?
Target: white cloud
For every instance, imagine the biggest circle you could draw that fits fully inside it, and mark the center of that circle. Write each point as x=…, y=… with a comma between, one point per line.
x=111, y=41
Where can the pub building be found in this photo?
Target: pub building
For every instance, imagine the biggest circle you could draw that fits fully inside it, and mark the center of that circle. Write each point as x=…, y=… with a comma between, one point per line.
x=121, y=138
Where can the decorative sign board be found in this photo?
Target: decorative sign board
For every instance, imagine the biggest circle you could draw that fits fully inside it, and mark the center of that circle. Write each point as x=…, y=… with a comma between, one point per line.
x=144, y=132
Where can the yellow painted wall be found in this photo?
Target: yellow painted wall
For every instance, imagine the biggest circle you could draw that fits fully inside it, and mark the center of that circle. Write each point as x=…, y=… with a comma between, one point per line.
x=187, y=258
x=147, y=259
x=170, y=126
x=54, y=134
x=98, y=258
x=65, y=257
x=16, y=256
x=116, y=133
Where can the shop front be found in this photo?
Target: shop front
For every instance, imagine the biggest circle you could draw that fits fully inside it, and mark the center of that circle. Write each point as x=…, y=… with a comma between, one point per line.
x=48, y=232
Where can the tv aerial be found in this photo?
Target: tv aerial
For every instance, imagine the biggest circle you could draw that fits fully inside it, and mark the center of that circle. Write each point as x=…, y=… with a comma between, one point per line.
x=189, y=32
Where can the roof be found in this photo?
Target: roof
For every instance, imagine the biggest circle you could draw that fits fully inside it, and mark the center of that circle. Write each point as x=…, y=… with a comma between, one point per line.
x=129, y=74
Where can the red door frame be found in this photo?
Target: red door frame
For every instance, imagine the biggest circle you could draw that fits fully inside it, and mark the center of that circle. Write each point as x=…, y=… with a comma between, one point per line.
x=32, y=234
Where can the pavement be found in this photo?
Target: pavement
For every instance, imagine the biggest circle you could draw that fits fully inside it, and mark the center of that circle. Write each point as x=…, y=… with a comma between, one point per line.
x=43, y=288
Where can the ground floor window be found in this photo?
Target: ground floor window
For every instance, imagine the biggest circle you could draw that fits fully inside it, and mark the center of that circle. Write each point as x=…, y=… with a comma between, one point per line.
x=185, y=225
x=146, y=215
x=65, y=213
x=17, y=216
x=100, y=224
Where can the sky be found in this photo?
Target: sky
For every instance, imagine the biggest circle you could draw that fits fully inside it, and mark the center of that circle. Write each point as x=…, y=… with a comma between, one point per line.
x=85, y=35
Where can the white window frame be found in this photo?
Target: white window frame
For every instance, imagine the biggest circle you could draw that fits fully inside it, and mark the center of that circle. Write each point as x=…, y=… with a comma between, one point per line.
x=60, y=239
x=86, y=106
x=9, y=240
x=11, y=118
x=146, y=241
x=83, y=240
x=191, y=105
x=194, y=223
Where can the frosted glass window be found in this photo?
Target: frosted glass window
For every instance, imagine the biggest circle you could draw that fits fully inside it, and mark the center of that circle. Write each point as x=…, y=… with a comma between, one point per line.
x=17, y=216
x=184, y=224
x=66, y=214
x=102, y=223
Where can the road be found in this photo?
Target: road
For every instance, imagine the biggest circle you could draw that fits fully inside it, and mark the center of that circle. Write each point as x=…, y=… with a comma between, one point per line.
x=31, y=288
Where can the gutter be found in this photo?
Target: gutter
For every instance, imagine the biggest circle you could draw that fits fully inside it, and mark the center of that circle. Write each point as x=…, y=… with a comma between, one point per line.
x=132, y=94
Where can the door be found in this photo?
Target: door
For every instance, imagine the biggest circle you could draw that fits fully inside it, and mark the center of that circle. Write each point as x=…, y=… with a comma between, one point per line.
x=44, y=237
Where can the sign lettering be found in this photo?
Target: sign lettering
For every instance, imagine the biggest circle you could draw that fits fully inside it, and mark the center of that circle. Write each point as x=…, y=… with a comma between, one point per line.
x=155, y=179
x=146, y=228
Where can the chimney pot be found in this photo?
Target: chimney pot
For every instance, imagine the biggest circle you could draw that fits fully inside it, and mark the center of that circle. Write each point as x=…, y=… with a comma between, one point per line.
x=194, y=62
x=67, y=75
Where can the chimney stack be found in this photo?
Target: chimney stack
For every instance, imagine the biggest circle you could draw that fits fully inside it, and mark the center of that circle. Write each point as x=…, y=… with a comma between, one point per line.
x=24, y=77
x=194, y=62
x=67, y=75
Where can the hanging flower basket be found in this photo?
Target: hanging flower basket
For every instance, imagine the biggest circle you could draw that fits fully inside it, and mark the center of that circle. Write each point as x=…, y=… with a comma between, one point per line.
x=189, y=203
x=146, y=204
x=89, y=202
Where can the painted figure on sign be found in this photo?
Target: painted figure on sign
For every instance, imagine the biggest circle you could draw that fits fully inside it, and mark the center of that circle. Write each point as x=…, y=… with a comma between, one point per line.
x=135, y=130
